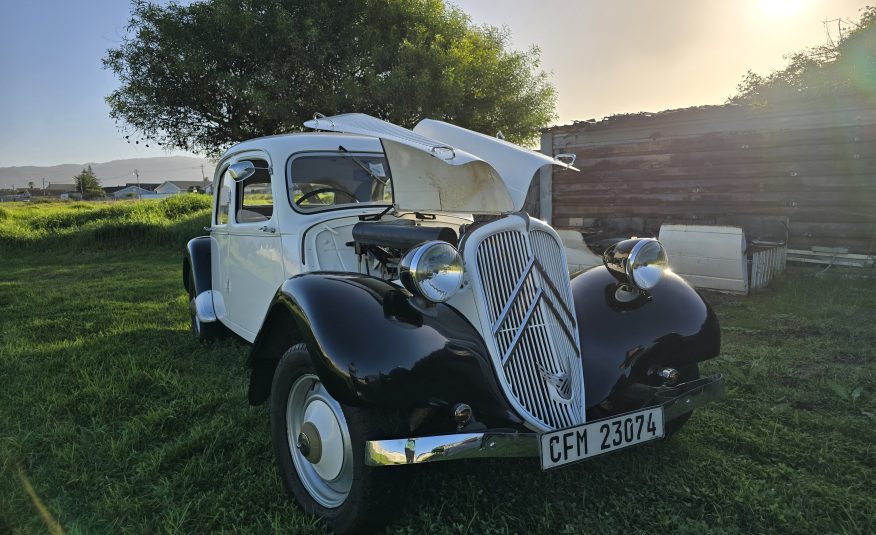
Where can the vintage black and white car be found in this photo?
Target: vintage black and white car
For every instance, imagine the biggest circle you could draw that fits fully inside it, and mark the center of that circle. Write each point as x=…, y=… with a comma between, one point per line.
x=403, y=309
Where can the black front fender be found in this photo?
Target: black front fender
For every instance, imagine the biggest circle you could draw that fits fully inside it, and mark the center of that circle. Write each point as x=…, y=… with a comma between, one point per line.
x=670, y=326
x=373, y=344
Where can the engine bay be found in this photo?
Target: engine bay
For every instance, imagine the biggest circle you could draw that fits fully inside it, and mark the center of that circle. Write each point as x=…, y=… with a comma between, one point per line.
x=385, y=243
x=374, y=246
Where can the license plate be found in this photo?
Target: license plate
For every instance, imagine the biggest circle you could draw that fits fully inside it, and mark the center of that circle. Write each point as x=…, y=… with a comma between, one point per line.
x=581, y=442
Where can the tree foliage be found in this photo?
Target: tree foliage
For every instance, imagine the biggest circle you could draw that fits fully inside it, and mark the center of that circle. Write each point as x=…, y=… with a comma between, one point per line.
x=88, y=185
x=846, y=66
x=203, y=76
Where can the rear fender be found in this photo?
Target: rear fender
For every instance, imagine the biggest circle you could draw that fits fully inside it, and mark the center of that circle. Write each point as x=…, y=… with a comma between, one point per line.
x=669, y=326
x=197, y=270
x=374, y=345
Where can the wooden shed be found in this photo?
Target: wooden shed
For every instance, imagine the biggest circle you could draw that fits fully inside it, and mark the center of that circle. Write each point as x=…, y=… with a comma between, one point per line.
x=808, y=167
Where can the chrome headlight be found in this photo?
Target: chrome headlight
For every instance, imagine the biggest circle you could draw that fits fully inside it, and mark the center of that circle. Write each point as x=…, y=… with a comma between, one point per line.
x=647, y=263
x=640, y=262
x=432, y=270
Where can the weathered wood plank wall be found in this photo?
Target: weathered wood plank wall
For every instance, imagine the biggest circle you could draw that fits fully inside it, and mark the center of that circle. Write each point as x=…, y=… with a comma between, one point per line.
x=812, y=162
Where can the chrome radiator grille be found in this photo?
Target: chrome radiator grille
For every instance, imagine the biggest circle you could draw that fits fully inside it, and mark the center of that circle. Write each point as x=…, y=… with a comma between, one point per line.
x=530, y=316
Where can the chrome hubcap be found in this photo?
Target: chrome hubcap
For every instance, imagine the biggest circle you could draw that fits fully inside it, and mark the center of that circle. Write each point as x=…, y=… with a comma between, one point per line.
x=304, y=445
x=310, y=443
x=319, y=442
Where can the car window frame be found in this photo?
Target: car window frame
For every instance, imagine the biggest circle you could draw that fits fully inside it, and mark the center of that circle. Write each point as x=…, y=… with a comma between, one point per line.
x=289, y=184
x=218, y=197
x=239, y=186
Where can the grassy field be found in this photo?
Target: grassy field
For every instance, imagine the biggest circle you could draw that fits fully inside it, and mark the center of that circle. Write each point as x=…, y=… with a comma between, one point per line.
x=43, y=226
x=117, y=421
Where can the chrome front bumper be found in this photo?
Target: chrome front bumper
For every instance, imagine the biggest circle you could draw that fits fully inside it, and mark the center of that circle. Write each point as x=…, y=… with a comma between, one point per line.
x=512, y=444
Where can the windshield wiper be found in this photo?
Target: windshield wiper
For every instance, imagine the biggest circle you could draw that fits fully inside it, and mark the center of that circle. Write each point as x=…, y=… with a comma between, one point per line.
x=365, y=168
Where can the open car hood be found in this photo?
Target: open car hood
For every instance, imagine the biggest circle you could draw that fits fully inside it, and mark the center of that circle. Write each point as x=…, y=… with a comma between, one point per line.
x=441, y=167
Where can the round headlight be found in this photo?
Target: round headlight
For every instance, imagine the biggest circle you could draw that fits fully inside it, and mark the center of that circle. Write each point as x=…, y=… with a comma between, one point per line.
x=646, y=264
x=432, y=270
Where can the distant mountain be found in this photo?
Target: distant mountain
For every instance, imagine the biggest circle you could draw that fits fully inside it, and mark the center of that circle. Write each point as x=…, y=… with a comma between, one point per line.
x=114, y=173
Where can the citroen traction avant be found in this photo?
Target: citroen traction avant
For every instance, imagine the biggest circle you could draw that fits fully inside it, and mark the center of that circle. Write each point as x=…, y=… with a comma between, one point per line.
x=403, y=309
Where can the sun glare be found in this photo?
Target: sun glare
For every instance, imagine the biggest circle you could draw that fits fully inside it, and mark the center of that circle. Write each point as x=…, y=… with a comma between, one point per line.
x=780, y=8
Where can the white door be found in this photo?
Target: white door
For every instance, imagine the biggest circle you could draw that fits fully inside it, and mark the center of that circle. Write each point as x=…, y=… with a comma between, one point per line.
x=254, y=257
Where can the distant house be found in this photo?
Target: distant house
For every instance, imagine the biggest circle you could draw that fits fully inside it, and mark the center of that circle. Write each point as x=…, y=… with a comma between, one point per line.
x=133, y=192
x=54, y=189
x=131, y=189
x=18, y=195
x=110, y=190
x=172, y=187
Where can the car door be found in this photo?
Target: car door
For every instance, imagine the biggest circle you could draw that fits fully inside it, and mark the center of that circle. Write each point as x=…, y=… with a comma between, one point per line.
x=254, y=256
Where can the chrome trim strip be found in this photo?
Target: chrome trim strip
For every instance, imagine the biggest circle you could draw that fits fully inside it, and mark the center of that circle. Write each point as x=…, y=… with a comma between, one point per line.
x=493, y=444
x=518, y=287
x=450, y=448
x=514, y=293
x=527, y=317
x=572, y=340
x=553, y=289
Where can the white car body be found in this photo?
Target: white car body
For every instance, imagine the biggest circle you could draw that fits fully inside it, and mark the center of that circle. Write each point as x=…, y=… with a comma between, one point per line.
x=250, y=259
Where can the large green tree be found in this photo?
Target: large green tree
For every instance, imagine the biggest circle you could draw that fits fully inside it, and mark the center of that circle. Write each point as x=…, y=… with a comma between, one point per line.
x=88, y=185
x=844, y=66
x=203, y=76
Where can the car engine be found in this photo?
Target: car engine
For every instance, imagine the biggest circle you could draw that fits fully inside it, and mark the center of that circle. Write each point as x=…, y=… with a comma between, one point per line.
x=384, y=243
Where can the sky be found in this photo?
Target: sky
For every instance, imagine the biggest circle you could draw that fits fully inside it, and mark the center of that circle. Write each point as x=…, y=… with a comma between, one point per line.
x=604, y=57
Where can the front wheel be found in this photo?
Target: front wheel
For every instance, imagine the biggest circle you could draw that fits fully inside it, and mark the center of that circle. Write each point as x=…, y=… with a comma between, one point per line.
x=320, y=449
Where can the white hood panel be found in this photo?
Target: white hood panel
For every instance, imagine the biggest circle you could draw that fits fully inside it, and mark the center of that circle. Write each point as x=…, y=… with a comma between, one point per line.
x=424, y=183
x=442, y=167
x=517, y=166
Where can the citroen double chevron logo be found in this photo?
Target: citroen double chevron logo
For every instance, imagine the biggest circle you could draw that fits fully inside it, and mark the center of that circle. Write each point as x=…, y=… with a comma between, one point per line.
x=559, y=381
x=555, y=305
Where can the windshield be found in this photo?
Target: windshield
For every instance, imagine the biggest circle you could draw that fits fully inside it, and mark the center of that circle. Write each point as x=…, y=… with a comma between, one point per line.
x=338, y=180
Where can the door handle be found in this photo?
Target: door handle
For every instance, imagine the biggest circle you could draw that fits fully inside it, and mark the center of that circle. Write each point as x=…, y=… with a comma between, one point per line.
x=268, y=229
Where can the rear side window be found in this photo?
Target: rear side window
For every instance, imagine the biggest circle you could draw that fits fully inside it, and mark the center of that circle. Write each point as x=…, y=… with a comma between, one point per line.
x=255, y=201
x=342, y=180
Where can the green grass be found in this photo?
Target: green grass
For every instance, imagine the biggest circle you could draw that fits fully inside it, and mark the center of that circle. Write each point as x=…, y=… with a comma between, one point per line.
x=123, y=423
x=167, y=222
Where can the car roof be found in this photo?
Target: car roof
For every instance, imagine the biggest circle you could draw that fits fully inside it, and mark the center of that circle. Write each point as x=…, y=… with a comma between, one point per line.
x=282, y=145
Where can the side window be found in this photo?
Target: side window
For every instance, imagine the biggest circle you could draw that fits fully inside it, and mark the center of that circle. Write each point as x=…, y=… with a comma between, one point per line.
x=223, y=199
x=255, y=201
